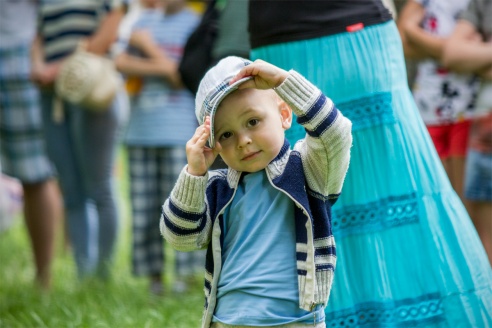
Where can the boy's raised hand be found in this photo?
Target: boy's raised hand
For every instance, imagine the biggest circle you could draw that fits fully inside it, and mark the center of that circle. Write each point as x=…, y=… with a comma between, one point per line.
x=265, y=75
x=199, y=156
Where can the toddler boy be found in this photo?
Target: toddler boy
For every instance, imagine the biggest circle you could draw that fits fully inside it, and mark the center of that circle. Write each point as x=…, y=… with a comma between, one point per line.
x=266, y=220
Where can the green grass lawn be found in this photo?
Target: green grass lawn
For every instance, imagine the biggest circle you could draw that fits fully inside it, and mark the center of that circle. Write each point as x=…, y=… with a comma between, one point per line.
x=123, y=302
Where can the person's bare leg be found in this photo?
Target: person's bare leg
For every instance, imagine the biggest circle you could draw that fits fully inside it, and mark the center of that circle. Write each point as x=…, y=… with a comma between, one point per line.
x=456, y=174
x=447, y=165
x=66, y=238
x=481, y=214
x=42, y=210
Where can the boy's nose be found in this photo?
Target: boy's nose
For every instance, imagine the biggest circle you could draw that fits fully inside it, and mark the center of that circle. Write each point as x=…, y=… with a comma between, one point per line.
x=243, y=140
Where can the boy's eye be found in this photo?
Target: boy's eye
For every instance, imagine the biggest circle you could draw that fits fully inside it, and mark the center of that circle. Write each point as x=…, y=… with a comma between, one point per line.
x=253, y=122
x=226, y=135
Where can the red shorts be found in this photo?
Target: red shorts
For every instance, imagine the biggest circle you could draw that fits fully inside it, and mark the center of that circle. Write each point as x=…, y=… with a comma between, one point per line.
x=450, y=140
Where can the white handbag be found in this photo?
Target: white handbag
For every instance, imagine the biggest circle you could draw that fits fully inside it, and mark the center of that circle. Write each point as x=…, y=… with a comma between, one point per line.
x=88, y=80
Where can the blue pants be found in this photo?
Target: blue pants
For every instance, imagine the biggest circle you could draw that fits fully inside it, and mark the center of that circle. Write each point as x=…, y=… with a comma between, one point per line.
x=82, y=147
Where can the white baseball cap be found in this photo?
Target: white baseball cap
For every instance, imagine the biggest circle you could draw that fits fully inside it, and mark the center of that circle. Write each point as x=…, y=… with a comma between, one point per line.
x=214, y=87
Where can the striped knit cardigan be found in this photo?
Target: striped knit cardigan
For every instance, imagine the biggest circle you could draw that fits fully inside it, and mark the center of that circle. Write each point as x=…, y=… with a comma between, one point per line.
x=311, y=175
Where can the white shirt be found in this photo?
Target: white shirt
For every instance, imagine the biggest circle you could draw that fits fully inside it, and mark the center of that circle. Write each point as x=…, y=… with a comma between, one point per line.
x=442, y=96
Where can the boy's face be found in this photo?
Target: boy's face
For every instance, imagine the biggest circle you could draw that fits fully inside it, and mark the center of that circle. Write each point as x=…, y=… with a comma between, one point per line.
x=249, y=125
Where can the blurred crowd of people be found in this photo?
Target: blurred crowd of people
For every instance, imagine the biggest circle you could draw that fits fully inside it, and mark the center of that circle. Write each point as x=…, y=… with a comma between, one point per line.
x=65, y=162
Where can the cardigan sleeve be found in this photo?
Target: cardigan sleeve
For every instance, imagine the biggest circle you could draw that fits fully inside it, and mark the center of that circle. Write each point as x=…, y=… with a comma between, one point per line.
x=184, y=221
x=325, y=151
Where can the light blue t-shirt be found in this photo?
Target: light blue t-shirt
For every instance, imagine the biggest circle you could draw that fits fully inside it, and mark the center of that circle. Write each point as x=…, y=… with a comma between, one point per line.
x=160, y=114
x=258, y=281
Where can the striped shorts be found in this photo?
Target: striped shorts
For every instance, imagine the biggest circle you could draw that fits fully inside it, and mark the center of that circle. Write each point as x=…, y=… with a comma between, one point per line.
x=22, y=145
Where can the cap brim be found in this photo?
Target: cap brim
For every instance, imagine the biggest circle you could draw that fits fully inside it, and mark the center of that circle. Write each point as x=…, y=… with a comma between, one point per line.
x=217, y=101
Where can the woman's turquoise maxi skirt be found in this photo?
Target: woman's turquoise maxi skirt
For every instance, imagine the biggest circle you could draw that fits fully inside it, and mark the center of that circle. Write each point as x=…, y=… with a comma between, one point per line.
x=408, y=254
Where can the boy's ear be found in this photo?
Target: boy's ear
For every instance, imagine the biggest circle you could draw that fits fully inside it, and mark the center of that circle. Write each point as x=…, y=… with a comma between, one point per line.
x=285, y=113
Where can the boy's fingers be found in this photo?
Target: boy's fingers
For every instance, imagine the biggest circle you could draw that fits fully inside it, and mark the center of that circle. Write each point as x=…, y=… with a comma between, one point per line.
x=197, y=134
x=203, y=138
x=201, y=134
x=248, y=84
x=249, y=70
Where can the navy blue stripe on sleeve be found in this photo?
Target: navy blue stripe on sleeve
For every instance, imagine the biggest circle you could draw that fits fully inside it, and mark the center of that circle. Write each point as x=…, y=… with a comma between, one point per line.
x=313, y=111
x=325, y=267
x=194, y=217
x=331, y=250
x=178, y=230
x=199, y=218
x=325, y=124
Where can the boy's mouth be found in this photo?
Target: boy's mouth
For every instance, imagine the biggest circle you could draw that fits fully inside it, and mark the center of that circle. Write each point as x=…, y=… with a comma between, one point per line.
x=251, y=156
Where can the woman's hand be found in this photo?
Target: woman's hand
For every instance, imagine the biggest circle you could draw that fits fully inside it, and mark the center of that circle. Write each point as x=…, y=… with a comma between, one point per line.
x=45, y=74
x=141, y=39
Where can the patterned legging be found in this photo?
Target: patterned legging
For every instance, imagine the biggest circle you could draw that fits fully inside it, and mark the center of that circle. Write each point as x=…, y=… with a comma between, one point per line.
x=153, y=173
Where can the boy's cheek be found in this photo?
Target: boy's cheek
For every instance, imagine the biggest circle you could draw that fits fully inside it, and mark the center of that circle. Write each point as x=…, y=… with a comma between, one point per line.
x=227, y=157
